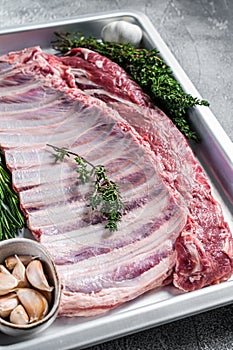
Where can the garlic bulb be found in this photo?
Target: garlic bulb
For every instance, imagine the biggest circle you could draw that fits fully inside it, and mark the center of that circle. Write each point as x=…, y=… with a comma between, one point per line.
x=122, y=32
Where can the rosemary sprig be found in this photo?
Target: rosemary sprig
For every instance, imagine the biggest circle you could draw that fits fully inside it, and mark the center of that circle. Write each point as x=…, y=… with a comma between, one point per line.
x=106, y=196
x=148, y=69
x=11, y=218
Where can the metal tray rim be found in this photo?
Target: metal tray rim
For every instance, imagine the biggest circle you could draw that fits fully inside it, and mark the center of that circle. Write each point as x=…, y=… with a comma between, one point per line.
x=140, y=16
x=125, y=321
x=105, y=328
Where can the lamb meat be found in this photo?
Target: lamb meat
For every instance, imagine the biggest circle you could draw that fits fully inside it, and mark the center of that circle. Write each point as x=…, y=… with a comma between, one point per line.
x=204, y=248
x=172, y=227
x=99, y=270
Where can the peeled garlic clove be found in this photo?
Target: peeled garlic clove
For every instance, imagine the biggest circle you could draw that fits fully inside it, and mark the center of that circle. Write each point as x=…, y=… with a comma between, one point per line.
x=19, y=272
x=35, y=275
x=11, y=261
x=7, y=283
x=7, y=304
x=34, y=303
x=19, y=315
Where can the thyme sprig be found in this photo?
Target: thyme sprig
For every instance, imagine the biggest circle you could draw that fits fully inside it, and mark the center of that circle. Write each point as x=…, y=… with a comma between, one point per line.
x=105, y=197
x=11, y=218
x=148, y=69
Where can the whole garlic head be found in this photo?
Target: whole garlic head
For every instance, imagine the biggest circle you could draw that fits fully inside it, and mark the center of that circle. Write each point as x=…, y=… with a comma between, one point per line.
x=122, y=32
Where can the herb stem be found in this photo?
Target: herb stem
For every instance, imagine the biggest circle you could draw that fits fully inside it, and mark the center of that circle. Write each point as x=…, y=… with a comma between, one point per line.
x=105, y=197
x=11, y=218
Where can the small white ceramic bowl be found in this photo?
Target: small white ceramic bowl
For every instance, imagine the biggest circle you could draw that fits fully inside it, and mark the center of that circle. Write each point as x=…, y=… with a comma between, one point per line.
x=24, y=246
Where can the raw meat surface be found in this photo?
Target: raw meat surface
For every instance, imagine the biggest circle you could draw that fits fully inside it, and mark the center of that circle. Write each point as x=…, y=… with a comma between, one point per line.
x=99, y=270
x=172, y=227
x=205, y=246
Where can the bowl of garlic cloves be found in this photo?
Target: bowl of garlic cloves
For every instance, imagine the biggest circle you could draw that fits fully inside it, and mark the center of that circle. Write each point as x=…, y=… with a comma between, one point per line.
x=30, y=289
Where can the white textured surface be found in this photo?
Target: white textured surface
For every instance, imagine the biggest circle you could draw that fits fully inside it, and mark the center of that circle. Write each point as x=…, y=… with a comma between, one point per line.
x=200, y=34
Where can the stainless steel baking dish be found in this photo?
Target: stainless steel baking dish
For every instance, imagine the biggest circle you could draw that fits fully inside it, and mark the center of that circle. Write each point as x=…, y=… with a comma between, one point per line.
x=215, y=152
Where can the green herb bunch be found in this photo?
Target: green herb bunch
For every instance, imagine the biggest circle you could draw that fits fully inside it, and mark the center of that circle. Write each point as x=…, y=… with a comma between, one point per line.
x=148, y=69
x=105, y=197
x=11, y=218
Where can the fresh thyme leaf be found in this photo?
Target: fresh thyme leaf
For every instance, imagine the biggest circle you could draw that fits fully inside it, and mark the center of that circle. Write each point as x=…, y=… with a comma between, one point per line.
x=106, y=197
x=11, y=218
x=60, y=154
x=148, y=69
x=84, y=173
